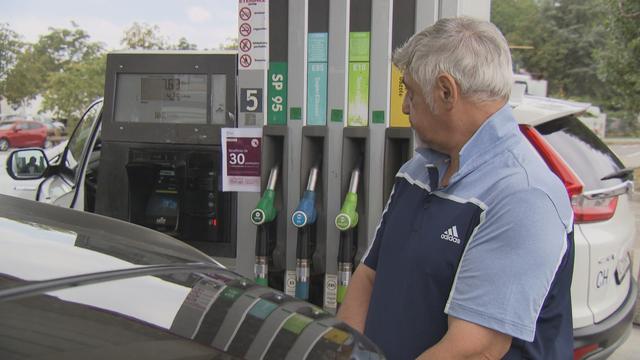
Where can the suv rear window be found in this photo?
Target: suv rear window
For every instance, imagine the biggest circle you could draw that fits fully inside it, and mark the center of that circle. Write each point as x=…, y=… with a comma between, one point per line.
x=587, y=155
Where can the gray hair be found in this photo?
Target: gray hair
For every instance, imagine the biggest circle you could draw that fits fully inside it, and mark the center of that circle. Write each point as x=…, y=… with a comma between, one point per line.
x=473, y=52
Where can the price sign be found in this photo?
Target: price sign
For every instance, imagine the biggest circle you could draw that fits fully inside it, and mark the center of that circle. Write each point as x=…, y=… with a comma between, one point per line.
x=241, y=151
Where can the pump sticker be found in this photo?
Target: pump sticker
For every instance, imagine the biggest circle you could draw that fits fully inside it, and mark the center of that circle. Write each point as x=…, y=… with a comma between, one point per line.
x=317, y=78
x=330, y=291
x=358, y=93
x=397, y=118
x=317, y=94
x=241, y=153
x=358, y=112
x=277, y=93
x=253, y=34
x=290, y=283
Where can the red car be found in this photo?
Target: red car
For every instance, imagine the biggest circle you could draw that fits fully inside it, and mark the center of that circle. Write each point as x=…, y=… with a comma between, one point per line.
x=22, y=133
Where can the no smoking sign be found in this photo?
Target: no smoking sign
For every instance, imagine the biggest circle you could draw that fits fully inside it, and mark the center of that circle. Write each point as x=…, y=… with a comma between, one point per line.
x=245, y=29
x=245, y=13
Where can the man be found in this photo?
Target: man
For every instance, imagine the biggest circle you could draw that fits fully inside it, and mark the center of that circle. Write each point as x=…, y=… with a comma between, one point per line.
x=473, y=256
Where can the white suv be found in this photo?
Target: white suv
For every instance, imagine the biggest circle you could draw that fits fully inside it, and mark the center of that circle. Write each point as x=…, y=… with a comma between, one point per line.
x=603, y=290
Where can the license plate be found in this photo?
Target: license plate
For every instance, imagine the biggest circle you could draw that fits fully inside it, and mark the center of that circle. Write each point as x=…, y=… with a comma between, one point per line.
x=622, y=268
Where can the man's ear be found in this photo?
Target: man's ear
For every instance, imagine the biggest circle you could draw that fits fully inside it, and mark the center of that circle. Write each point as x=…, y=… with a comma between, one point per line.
x=447, y=90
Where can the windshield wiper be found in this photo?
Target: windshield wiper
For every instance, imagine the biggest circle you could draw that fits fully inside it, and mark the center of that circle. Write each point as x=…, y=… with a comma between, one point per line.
x=624, y=174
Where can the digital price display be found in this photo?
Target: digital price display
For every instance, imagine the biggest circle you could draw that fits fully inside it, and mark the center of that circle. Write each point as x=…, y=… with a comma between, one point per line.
x=165, y=89
x=162, y=98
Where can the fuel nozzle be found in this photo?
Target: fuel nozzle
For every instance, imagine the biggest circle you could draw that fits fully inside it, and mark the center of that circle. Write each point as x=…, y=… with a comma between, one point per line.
x=304, y=216
x=265, y=211
x=262, y=216
x=306, y=213
x=348, y=216
x=346, y=222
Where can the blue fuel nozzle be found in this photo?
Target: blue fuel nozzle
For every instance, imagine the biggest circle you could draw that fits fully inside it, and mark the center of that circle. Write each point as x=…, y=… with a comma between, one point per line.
x=306, y=213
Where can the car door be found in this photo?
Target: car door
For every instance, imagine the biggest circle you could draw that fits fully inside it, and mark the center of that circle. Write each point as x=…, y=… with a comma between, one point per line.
x=20, y=137
x=64, y=187
x=33, y=134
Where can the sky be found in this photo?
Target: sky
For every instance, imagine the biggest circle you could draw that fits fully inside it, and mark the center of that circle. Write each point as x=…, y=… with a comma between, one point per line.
x=206, y=23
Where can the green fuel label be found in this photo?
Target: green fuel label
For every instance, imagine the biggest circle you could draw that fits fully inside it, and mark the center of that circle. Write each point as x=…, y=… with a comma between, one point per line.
x=359, y=46
x=297, y=323
x=262, y=309
x=277, y=92
x=231, y=293
x=358, y=111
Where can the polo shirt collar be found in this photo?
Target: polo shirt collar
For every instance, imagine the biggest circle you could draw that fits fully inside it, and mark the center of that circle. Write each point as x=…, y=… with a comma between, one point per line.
x=487, y=141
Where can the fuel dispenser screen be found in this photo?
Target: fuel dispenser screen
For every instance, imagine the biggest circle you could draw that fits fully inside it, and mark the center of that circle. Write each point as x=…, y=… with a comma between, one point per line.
x=161, y=98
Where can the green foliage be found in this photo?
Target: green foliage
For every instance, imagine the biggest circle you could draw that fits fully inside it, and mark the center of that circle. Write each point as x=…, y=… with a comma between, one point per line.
x=184, y=44
x=26, y=78
x=143, y=36
x=10, y=47
x=587, y=50
x=70, y=91
x=52, y=53
x=229, y=44
x=619, y=59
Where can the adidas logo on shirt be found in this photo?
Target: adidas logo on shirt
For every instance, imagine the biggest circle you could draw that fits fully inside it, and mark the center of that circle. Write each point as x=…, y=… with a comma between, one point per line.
x=451, y=235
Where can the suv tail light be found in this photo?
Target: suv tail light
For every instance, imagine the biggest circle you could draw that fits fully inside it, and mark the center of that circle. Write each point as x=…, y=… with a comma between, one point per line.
x=581, y=352
x=587, y=206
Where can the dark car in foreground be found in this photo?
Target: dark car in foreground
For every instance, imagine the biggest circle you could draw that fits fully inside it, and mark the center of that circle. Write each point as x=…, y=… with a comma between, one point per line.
x=75, y=285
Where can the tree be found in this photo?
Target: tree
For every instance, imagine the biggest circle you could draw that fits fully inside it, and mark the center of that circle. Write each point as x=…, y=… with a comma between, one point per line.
x=144, y=36
x=618, y=61
x=184, y=44
x=70, y=91
x=10, y=47
x=229, y=44
x=50, y=55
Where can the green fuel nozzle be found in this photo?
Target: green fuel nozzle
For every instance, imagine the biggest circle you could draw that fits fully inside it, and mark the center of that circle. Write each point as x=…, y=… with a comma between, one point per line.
x=262, y=216
x=348, y=216
x=346, y=222
x=265, y=211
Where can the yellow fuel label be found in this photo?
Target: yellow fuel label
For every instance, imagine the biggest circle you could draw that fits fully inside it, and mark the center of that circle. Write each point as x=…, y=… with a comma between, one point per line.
x=396, y=117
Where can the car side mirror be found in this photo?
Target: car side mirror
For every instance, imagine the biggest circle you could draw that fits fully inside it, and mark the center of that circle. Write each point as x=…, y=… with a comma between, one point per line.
x=27, y=164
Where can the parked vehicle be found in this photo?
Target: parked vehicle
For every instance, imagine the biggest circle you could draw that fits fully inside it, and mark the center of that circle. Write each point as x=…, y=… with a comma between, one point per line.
x=603, y=289
x=75, y=285
x=22, y=133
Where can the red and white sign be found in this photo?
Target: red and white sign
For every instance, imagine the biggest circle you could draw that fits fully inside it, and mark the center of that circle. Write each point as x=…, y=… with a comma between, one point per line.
x=253, y=34
x=245, y=45
x=241, y=153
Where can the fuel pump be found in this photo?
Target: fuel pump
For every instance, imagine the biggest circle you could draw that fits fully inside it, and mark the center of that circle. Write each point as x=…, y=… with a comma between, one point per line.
x=346, y=222
x=262, y=216
x=304, y=217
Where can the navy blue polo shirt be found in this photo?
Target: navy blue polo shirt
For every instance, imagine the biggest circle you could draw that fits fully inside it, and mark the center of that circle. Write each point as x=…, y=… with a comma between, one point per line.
x=494, y=248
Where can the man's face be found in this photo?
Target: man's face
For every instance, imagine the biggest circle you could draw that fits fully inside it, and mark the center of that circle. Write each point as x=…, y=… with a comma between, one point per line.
x=424, y=122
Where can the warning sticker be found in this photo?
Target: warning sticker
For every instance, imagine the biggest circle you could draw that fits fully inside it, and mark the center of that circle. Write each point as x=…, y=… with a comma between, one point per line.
x=253, y=34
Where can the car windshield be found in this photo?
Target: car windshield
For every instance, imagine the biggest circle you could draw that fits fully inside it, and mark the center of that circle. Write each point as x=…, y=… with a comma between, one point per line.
x=584, y=152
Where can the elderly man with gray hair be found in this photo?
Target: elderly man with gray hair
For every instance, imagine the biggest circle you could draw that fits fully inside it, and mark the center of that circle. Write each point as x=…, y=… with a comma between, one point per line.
x=473, y=256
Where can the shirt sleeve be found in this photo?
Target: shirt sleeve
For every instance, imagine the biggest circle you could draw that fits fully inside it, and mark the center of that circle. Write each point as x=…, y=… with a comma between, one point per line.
x=509, y=264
